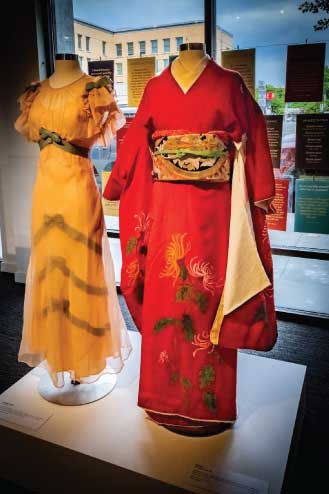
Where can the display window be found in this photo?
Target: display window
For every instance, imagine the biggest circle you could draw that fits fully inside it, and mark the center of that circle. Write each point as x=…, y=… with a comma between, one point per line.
x=270, y=44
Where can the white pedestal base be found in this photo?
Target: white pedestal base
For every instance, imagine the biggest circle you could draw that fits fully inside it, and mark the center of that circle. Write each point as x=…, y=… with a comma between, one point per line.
x=111, y=447
x=80, y=394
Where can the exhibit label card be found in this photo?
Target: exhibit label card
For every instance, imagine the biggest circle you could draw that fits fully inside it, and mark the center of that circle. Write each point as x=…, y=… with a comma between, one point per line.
x=305, y=72
x=140, y=70
x=274, y=135
x=110, y=208
x=102, y=68
x=27, y=417
x=278, y=220
x=207, y=480
x=312, y=205
x=243, y=61
x=312, y=142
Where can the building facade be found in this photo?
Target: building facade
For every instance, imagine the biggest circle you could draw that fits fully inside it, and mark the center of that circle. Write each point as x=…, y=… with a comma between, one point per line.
x=96, y=43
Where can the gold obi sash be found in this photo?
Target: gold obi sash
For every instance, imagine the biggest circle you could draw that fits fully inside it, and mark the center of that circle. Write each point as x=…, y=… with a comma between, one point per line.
x=197, y=157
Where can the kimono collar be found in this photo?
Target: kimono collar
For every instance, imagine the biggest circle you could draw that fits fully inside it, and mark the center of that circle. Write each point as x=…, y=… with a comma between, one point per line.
x=188, y=76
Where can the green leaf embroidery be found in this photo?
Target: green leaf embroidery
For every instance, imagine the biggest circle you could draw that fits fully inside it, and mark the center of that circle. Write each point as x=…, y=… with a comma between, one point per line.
x=174, y=377
x=182, y=293
x=260, y=314
x=188, y=327
x=186, y=383
x=202, y=301
x=206, y=376
x=183, y=272
x=131, y=244
x=163, y=323
x=209, y=399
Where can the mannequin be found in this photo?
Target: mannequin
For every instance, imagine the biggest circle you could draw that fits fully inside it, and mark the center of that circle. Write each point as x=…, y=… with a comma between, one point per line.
x=190, y=63
x=75, y=376
x=67, y=70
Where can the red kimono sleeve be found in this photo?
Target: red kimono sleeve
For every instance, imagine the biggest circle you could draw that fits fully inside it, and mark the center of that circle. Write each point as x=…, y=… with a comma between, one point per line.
x=259, y=168
x=136, y=134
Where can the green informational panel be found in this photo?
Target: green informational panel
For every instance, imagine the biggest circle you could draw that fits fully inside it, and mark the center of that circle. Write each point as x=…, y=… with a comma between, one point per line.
x=312, y=205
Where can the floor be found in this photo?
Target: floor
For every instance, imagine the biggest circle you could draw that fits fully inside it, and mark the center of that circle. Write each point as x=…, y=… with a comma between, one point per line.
x=299, y=343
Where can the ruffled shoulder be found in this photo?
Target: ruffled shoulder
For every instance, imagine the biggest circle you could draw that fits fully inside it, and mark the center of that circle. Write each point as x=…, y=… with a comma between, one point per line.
x=25, y=102
x=101, y=107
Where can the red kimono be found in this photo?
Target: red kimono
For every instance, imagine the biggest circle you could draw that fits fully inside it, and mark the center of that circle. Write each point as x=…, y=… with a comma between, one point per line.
x=175, y=238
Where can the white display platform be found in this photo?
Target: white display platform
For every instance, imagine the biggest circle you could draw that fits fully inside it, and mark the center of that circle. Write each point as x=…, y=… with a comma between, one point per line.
x=110, y=446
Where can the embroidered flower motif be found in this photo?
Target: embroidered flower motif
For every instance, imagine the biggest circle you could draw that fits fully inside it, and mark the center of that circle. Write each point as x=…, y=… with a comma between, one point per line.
x=204, y=270
x=163, y=357
x=175, y=253
x=202, y=341
x=132, y=272
x=144, y=222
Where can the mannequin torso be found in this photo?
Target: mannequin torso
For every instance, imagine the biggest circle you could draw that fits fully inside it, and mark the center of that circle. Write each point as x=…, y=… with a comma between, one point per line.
x=66, y=72
x=189, y=65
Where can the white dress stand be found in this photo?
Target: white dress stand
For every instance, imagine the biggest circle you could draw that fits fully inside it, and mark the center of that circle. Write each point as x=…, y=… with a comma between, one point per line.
x=72, y=394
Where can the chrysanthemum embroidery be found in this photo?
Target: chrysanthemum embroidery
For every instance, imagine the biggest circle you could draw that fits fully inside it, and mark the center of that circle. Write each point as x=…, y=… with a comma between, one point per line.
x=175, y=254
x=202, y=342
x=137, y=242
x=136, y=246
x=144, y=223
x=163, y=357
x=132, y=271
x=205, y=270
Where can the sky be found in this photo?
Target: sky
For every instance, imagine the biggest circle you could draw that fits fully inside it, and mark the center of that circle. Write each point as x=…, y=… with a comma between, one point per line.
x=265, y=25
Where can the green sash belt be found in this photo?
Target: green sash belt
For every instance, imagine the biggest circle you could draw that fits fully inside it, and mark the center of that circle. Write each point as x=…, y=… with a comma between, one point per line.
x=47, y=137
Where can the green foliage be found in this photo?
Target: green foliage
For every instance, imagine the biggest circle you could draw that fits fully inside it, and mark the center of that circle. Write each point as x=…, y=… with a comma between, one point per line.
x=209, y=399
x=202, y=301
x=163, y=323
x=278, y=103
x=206, y=376
x=174, y=377
x=186, y=383
x=314, y=8
x=188, y=327
x=182, y=293
x=260, y=313
x=131, y=244
x=183, y=272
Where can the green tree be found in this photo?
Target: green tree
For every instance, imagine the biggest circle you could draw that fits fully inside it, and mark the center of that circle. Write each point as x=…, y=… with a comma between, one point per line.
x=277, y=103
x=315, y=8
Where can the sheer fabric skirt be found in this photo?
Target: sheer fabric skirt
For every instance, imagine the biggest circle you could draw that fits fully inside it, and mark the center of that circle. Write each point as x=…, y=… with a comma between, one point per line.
x=72, y=319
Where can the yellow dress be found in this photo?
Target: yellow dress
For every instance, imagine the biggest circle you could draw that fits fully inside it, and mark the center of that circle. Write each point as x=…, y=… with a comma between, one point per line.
x=72, y=319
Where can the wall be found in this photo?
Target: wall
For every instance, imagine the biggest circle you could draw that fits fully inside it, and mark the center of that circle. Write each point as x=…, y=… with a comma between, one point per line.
x=17, y=157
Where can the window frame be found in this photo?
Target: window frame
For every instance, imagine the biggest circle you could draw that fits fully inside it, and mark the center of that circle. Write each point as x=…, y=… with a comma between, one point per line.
x=154, y=52
x=49, y=31
x=141, y=53
x=88, y=44
x=79, y=36
x=117, y=64
x=130, y=44
x=117, y=49
x=178, y=45
x=165, y=40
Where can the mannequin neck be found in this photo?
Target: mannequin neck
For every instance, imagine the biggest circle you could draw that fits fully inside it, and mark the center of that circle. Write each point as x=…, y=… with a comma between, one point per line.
x=188, y=67
x=191, y=58
x=66, y=72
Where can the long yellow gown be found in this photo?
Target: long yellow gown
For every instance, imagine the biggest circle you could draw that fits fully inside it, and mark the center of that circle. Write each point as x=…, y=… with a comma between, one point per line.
x=72, y=319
